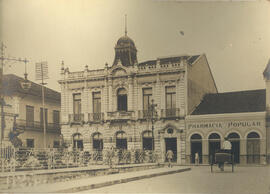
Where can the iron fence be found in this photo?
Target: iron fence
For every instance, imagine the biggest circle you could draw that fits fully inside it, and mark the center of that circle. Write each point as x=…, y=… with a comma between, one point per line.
x=17, y=159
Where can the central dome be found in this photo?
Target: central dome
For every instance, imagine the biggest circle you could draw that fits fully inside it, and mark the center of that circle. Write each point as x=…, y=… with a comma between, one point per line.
x=125, y=40
x=125, y=51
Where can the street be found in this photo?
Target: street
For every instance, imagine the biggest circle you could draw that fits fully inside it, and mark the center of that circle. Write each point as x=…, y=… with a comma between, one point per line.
x=253, y=180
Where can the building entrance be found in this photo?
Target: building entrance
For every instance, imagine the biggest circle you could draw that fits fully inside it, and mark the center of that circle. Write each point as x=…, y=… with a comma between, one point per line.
x=171, y=144
x=196, y=147
x=214, y=145
x=234, y=138
x=253, y=148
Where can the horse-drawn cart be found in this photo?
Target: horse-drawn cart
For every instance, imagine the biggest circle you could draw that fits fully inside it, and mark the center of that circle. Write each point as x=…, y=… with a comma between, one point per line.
x=220, y=158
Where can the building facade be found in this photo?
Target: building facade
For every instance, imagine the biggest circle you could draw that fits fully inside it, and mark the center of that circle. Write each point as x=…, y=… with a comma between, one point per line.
x=23, y=115
x=113, y=106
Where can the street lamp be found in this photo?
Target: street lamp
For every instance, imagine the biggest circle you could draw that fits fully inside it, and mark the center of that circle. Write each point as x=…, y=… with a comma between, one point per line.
x=153, y=115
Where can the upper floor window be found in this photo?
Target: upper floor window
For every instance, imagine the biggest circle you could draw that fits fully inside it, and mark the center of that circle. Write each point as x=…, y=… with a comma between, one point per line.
x=96, y=102
x=41, y=116
x=122, y=99
x=29, y=116
x=147, y=97
x=56, y=117
x=170, y=97
x=77, y=106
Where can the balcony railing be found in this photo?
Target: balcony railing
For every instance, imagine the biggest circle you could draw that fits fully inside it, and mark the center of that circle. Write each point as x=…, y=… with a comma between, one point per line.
x=170, y=113
x=36, y=125
x=76, y=118
x=95, y=117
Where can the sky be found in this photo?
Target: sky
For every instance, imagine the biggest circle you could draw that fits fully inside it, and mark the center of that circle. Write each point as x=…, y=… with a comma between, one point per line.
x=234, y=35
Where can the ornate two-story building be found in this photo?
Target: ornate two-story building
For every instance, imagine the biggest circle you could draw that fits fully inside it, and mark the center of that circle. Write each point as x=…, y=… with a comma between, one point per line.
x=132, y=105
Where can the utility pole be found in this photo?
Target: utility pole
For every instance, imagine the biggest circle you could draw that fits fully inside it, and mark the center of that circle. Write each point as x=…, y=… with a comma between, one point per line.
x=42, y=74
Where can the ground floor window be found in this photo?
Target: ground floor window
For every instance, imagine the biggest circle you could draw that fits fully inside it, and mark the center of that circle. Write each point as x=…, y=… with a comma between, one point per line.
x=121, y=140
x=253, y=148
x=97, y=141
x=147, y=140
x=77, y=141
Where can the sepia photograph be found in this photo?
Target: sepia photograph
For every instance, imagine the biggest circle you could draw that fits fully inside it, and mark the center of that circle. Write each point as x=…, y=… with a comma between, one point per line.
x=135, y=96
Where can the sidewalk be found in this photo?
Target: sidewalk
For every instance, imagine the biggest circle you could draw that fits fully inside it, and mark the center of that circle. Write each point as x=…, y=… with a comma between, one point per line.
x=97, y=182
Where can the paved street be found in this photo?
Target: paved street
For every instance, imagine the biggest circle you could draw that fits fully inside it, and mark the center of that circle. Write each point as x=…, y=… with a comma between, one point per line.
x=253, y=180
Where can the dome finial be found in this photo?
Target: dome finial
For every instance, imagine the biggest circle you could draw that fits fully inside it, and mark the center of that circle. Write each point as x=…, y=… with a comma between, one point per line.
x=125, y=24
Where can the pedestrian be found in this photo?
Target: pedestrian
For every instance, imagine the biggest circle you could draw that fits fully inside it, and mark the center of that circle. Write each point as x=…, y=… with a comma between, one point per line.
x=169, y=156
x=197, y=158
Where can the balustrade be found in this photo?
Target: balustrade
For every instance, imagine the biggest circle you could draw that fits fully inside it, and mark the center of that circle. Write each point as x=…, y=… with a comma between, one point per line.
x=170, y=113
x=36, y=125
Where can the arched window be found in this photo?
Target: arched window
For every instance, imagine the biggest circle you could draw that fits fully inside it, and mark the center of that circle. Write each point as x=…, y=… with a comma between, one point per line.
x=170, y=131
x=77, y=141
x=121, y=140
x=233, y=136
x=253, y=148
x=195, y=137
x=253, y=135
x=214, y=136
x=122, y=99
x=97, y=141
x=147, y=140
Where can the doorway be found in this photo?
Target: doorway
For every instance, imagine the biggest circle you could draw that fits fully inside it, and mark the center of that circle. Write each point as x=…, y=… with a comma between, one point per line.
x=171, y=144
x=196, y=147
x=253, y=148
x=213, y=145
x=234, y=138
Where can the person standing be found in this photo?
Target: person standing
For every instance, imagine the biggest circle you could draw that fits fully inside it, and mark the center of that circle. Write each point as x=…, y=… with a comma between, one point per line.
x=197, y=158
x=169, y=156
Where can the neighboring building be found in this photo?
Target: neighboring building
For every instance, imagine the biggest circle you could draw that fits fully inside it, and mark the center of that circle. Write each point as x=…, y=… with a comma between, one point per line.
x=240, y=116
x=111, y=106
x=24, y=114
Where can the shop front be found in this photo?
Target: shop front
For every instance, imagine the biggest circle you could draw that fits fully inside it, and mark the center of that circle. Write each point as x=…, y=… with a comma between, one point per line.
x=245, y=131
